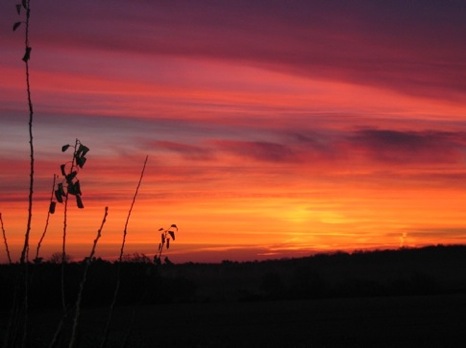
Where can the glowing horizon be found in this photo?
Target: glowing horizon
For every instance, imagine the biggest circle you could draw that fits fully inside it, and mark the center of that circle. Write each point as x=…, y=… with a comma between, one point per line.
x=272, y=130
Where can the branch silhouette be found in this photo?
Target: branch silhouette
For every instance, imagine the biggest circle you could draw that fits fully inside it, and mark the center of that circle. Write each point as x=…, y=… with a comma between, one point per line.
x=83, y=281
x=51, y=211
x=5, y=240
x=120, y=259
x=26, y=58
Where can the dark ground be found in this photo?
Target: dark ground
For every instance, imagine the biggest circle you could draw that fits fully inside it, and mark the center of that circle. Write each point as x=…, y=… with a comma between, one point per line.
x=402, y=321
x=403, y=298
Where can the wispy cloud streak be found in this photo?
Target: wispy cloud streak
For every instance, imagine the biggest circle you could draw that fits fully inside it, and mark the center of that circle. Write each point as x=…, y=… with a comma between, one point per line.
x=312, y=124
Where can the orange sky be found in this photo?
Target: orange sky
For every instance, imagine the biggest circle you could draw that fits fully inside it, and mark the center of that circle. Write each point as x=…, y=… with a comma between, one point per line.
x=273, y=129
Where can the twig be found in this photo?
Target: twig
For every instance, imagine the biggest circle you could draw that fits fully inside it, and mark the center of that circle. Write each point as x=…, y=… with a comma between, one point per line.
x=120, y=259
x=31, y=143
x=46, y=221
x=83, y=281
x=59, y=329
x=63, y=255
x=65, y=226
x=25, y=252
x=131, y=210
x=5, y=240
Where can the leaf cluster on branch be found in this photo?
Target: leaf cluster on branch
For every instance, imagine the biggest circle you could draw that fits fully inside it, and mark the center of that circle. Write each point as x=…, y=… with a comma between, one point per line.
x=24, y=4
x=166, y=235
x=69, y=170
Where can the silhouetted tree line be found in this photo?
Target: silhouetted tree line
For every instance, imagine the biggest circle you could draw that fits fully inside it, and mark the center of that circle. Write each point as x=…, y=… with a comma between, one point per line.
x=141, y=283
x=423, y=271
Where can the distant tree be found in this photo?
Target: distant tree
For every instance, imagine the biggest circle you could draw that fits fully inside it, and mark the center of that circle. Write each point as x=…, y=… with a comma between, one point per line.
x=57, y=257
x=136, y=258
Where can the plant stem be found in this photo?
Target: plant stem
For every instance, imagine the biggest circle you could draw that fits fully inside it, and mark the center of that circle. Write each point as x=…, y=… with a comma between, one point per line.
x=63, y=254
x=131, y=209
x=65, y=226
x=120, y=259
x=5, y=240
x=46, y=221
x=83, y=281
x=24, y=252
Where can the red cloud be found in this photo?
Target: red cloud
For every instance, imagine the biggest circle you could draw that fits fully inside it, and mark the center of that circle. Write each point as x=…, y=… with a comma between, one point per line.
x=258, y=150
x=405, y=147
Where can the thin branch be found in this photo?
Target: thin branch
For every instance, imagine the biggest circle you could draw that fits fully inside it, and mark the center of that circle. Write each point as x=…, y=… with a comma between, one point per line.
x=25, y=252
x=5, y=240
x=26, y=57
x=131, y=210
x=47, y=220
x=83, y=281
x=63, y=254
x=120, y=259
x=65, y=226
x=59, y=329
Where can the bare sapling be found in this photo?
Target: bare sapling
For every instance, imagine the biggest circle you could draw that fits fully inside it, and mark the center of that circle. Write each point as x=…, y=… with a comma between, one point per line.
x=17, y=325
x=83, y=281
x=25, y=4
x=166, y=235
x=51, y=210
x=5, y=240
x=120, y=258
x=70, y=185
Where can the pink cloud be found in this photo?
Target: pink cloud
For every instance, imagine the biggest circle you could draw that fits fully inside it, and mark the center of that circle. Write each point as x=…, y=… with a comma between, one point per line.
x=414, y=49
x=189, y=152
x=258, y=150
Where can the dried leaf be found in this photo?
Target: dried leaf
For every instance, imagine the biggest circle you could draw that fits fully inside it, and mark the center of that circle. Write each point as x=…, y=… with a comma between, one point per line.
x=16, y=25
x=74, y=188
x=71, y=176
x=58, y=196
x=82, y=150
x=161, y=229
x=173, y=226
x=65, y=147
x=168, y=243
x=79, y=202
x=60, y=189
x=172, y=234
x=27, y=54
x=77, y=188
x=52, y=206
x=18, y=8
x=62, y=169
x=24, y=4
x=80, y=161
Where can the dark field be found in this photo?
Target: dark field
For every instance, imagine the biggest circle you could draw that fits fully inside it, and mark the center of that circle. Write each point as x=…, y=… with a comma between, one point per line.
x=391, y=298
x=402, y=321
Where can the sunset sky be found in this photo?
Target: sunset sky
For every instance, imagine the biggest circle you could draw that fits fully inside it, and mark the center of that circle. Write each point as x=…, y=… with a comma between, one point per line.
x=273, y=128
